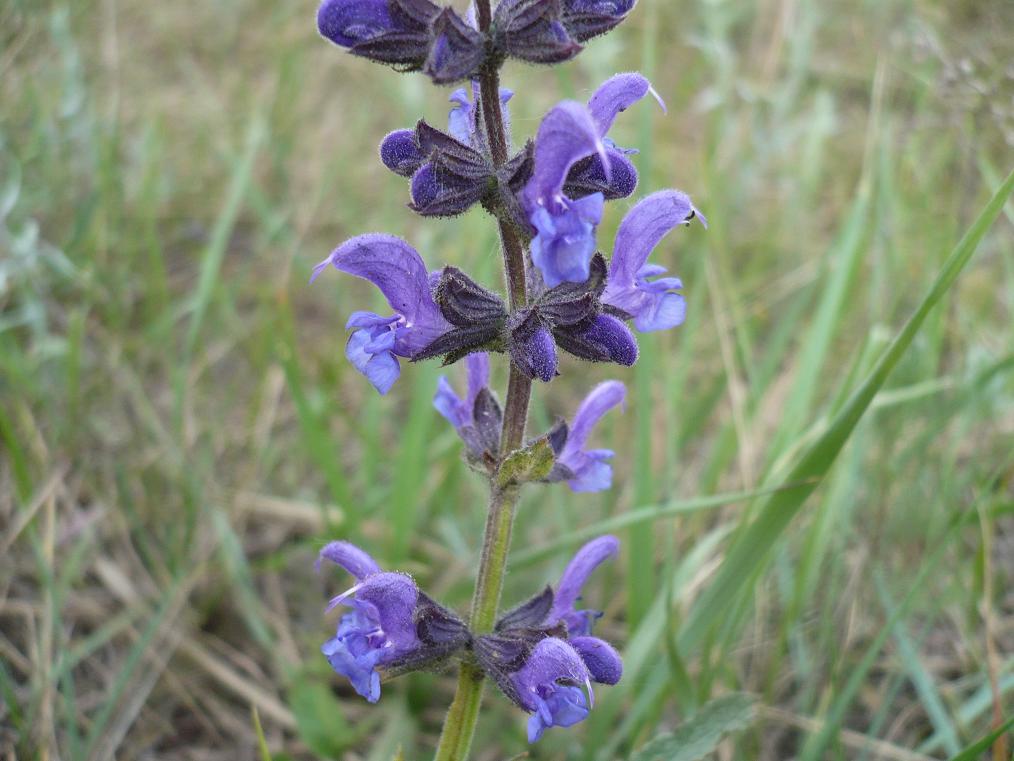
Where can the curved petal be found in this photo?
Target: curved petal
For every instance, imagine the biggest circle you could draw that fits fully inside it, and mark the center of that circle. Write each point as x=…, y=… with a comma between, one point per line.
x=354, y=560
x=585, y=560
x=616, y=95
x=373, y=358
x=641, y=230
x=600, y=657
x=399, y=272
x=566, y=135
x=450, y=405
x=352, y=655
x=602, y=398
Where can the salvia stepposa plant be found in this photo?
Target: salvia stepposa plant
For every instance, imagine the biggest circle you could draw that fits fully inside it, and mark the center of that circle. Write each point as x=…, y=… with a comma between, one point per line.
x=565, y=294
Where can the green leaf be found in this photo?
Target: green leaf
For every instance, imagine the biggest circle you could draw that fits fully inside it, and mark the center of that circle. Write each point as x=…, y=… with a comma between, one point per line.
x=532, y=463
x=973, y=751
x=701, y=734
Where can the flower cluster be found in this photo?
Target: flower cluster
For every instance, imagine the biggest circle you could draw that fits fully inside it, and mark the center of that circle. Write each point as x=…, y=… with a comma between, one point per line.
x=478, y=418
x=418, y=35
x=568, y=294
x=541, y=654
x=554, y=190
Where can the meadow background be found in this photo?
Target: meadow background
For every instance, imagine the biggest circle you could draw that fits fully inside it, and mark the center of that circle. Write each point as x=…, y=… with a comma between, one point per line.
x=180, y=432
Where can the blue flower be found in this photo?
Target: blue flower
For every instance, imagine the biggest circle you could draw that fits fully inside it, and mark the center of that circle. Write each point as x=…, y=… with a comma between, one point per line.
x=586, y=470
x=399, y=272
x=551, y=686
x=571, y=154
x=654, y=304
x=380, y=629
x=461, y=412
x=579, y=622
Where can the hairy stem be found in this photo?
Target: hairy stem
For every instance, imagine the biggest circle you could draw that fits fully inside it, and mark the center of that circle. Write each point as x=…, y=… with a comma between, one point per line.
x=459, y=726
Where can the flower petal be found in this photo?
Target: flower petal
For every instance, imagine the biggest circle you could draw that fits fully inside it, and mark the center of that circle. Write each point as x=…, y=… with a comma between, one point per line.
x=398, y=271
x=450, y=405
x=585, y=560
x=354, y=560
x=566, y=135
x=600, y=657
x=564, y=243
x=592, y=471
x=666, y=310
x=602, y=398
x=394, y=596
x=477, y=370
x=616, y=95
x=641, y=230
x=551, y=660
x=383, y=370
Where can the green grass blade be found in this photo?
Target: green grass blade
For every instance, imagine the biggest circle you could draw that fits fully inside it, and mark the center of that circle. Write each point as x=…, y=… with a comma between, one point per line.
x=817, y=744
x=751, y=549
x=976, y=749
x=643, y=516
x=211, y=262
x=262, y=743
x=921, y=678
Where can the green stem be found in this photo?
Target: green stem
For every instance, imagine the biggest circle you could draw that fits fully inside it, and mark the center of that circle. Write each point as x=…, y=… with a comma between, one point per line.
x=463, y=715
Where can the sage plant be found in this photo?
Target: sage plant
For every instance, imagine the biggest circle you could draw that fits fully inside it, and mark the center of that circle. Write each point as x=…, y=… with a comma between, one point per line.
x=547, y=197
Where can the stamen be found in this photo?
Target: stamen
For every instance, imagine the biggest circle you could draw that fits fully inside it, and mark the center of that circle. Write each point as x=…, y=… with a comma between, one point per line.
x=336, y=601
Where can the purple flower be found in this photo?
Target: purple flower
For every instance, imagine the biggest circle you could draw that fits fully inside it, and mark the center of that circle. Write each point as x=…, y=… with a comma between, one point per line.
x=586, y=470
x=399, y=272
x=579, y=622
x=653, y=304
x=541, y=652
x=565, y=230
x=407, y=34
x=564, y=239
x=458, y=411
x=477, y=418
x=380, y=629
x=551, y=686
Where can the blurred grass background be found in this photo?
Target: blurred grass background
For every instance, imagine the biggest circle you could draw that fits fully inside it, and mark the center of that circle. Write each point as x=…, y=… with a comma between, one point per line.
x=180, y=431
